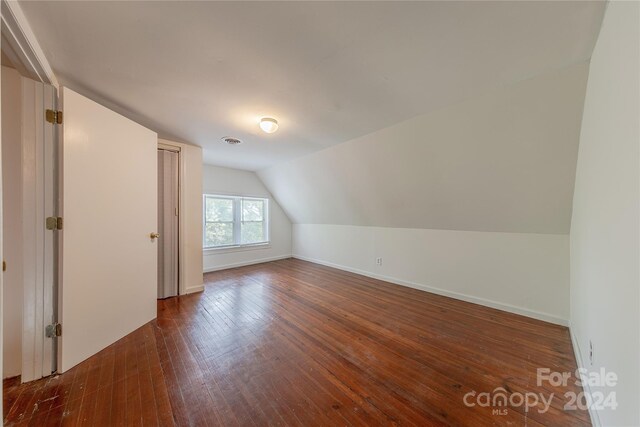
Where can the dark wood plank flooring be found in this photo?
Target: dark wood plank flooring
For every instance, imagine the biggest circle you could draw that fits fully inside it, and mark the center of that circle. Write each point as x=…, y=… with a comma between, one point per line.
x=295, y=343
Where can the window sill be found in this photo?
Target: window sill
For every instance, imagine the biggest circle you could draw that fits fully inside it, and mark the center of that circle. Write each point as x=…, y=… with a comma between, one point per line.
x=237, y=248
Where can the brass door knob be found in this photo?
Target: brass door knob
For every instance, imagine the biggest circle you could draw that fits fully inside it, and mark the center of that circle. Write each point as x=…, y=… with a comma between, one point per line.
x=154, y=235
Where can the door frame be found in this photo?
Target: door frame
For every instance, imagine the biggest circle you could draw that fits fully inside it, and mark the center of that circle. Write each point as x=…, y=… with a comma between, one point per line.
x=39, y=190
x=21, y=46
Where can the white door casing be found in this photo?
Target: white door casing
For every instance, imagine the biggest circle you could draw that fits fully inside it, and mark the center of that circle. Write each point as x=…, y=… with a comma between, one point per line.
x=108, y=274
x=37, y=181
x=38, y=202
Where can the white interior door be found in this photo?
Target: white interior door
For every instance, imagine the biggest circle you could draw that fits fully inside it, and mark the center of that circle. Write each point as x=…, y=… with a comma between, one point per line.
x=168, y=201
x=108, y=274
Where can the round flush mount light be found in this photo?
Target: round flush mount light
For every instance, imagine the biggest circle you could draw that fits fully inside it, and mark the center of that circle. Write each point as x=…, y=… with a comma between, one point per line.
x=268, y=124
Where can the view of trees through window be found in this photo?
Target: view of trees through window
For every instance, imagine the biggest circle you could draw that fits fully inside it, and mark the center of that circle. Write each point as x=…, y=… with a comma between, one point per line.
x=252, y=227
x=218, y=222
x=230, y=221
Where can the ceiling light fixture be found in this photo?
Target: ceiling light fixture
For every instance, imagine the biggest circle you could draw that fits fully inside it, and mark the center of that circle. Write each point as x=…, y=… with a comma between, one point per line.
x=268, y=124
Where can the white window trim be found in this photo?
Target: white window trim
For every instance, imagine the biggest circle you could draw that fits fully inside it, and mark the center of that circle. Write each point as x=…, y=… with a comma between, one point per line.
x=237, y=220
x=236, y=248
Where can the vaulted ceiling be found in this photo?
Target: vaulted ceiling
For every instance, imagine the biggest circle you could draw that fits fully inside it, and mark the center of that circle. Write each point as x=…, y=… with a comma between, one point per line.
x=504, y=161
x=329, y=71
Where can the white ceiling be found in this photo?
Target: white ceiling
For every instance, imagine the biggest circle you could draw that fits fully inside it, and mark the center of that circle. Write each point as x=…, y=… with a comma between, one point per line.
x=328, y=71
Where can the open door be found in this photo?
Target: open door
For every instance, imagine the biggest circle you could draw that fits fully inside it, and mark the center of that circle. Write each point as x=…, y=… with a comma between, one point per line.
x=108, y=259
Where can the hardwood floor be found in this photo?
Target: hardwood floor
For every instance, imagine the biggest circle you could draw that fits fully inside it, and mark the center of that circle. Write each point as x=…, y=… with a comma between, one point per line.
x=294, y=343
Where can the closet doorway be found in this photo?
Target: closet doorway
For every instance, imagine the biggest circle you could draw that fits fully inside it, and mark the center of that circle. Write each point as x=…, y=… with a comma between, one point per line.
x=168, y=222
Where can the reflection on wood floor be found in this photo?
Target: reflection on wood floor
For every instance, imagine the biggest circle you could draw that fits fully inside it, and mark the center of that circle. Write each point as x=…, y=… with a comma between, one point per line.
x=295, y=343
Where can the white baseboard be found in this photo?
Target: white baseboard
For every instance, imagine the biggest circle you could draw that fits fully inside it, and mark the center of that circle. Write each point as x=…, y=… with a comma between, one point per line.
x=459, y=296
x=595, y=418
x=244, y=263
x=194, y=289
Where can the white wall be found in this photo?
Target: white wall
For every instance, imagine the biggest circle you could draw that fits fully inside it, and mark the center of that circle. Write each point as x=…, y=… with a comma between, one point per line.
x=219, y=180
x=605, y=248
x=521, y=273
x=12, y=221
x=191, y=223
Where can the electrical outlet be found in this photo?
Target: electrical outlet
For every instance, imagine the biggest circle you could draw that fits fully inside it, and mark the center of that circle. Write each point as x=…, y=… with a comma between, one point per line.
x=591, y=352
x=379, y=261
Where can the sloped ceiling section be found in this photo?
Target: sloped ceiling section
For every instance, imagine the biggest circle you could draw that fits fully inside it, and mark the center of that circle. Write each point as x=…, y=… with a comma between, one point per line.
x=502, y=162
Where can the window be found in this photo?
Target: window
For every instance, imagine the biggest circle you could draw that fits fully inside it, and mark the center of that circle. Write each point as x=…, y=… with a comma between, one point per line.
x=235, y=221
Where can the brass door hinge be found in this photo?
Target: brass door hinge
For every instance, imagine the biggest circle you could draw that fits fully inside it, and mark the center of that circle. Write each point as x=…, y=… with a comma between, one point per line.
x=4, y=265
x=54, y=116
x=54, y=223
x=53, y=330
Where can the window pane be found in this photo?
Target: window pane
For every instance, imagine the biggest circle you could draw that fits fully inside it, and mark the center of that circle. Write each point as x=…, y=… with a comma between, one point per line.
x=219, y=209
x=252, y=232
x=252, y=210
x=218, y=234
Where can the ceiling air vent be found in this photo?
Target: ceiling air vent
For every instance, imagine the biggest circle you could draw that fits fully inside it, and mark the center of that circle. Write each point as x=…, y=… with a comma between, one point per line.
x=231, y=140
